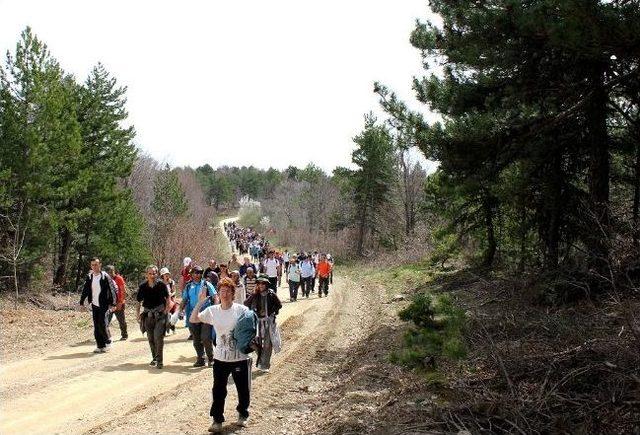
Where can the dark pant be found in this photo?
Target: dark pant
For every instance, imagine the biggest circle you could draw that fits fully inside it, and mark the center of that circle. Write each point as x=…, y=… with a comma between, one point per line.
x=323, y=285
x=306, y=286
x=100, y=326
x=156, y=324
x=313, y=284
x=273, y=284
x=201, y=334
x=241, y=373
x=293, y=289
x=122, y=322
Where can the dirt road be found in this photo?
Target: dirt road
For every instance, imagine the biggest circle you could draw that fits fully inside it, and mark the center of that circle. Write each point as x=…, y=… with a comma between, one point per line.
x=68, y=389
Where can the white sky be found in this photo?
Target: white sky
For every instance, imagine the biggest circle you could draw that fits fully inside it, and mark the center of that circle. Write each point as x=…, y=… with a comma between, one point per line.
x=263, y=83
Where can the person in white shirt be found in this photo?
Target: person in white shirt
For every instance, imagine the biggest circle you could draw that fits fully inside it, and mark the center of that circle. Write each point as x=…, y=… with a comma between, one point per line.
x=227, y=359
x=272, y=268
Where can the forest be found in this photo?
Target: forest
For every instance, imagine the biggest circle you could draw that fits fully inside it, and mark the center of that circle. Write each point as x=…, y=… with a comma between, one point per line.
x=519, y=254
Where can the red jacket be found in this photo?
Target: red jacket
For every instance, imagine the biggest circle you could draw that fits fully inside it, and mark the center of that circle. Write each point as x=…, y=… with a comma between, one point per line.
x=121, y=294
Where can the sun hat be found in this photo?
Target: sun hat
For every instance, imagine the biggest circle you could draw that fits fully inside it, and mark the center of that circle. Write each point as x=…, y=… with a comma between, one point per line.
x=186, y=261
x=164, y=270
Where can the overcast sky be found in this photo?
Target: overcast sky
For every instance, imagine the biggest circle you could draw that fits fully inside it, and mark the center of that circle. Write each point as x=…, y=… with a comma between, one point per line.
x=268, y=83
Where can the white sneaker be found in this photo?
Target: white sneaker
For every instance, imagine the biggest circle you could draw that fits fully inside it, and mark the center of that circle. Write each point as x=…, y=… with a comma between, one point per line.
x=98, y=350
x=106, y=349
x=215, y=427
x=242, y=421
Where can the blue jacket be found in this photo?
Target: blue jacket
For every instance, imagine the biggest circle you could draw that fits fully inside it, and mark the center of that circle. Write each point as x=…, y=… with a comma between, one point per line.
x=190, y=296
x=245, y=331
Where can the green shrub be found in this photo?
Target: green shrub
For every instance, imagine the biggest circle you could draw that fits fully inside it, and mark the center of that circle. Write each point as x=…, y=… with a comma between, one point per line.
x=438, y=332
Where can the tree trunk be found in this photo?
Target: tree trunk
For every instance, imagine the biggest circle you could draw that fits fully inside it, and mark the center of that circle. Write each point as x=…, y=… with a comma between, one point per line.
x=361, y=231
x=636, y=198
x=552, y=238
x=599, y=167
x=490, y=252
x=63, y=257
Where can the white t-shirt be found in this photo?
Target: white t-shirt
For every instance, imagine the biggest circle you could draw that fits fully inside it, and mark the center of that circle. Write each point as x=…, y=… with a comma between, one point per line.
x=285, y=257
x=271, y=267
x=223, y=322
x=95, y=289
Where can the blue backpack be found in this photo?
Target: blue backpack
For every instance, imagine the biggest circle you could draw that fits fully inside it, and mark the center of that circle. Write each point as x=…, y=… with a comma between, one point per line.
x=245, y=332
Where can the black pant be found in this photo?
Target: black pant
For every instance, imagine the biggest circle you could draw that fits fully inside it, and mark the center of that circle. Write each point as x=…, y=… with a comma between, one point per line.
x=273, y=284
x=306, y=286
x=156, y=325
x=241, y=373
x=121, y=322
x=100, y=326
x=293, y=289
x=323, y=285
x=201, y=334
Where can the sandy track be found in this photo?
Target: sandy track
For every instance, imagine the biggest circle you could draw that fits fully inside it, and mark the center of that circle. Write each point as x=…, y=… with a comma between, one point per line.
x=68, y=389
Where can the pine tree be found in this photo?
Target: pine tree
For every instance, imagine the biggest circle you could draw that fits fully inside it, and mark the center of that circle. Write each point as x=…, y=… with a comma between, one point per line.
x=374, y=157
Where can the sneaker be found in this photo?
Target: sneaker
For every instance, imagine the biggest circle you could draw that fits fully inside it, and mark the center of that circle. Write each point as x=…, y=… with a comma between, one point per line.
x=159, y=365
x=215, y=427
x=106, y=349
x=124, y=338
x=107, y=346
x=199, y=363
x=242, y=421
x=98, y=350
x=153, y=362
x=210, y=363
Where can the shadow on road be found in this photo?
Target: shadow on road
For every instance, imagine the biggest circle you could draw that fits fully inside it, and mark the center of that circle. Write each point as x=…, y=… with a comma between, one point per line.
x=128, y=367
x=72, y=356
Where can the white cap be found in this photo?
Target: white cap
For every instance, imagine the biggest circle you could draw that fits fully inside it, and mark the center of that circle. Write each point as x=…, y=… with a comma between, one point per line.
x=164, y=270
x=186, y=261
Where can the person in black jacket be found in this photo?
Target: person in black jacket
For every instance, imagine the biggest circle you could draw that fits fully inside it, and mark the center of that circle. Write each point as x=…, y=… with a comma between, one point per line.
x=265, y=303
x=100, y=290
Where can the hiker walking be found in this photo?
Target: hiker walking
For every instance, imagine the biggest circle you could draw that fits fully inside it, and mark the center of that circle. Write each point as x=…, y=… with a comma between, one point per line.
x=265, y=303
x=323, y=272
x=294, y=278
x=200, y=332
x=250, y=281
x=165, y=275
x=241, y=292
x=121, y=295
x=307, y=272
x=229, y=358
x=185, y=272
x=234, y=264
x=285, y=261
x=271, y=269
x=247, y=264
x=153, y=296
x=100, y=290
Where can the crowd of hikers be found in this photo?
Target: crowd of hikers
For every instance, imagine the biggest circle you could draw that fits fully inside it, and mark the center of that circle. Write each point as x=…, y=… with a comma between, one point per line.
x=230, y=308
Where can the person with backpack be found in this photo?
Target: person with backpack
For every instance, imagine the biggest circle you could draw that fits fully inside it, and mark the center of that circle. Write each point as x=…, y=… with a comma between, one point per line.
x=101, y=292
x=265, y=303
x=229, y=357
x=165, y=276
x=121, y=295
x=307, y=272
x=294, y=278
x=153, y=296
x=201, y=333
x=272, y=269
